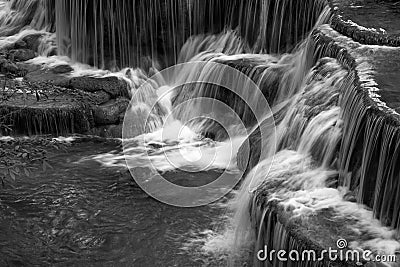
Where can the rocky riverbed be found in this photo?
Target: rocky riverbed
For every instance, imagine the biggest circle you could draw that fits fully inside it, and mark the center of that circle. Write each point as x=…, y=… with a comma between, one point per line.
x=38, y=98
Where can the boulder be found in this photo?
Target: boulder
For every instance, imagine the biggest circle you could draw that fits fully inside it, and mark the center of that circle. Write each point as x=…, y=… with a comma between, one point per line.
x=28, y=67
x=64, y=68
x=21, y=54
x=59, y=114
x=7, y=66
x=33, y=41
x=20, y=44
x=112, y=85
x=109, y=113
x=99, y=97
x=42, y=75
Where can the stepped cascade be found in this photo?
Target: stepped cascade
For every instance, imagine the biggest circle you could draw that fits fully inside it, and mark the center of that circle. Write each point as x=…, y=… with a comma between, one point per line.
x=280, y=99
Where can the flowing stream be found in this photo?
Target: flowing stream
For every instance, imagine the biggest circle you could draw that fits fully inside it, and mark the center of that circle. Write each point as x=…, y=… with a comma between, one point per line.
x=82, y=213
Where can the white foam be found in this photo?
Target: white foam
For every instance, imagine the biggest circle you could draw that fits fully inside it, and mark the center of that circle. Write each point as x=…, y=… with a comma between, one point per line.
x=64, y=139
x=6, y=138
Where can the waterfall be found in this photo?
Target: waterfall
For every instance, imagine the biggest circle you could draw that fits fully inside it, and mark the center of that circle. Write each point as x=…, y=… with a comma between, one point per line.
x=31, y=21
x=114, y=34
x=313, y=135
x=370, y=152
x=307, y=139
x=369, y=148
x=17, y=14
x=301, y=177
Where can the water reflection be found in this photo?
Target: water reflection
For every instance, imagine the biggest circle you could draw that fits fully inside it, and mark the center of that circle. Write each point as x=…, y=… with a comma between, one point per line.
x=83, y=213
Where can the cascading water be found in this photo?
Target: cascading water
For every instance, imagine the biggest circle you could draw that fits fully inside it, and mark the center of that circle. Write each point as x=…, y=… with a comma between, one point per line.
x=33, y=19
x=100, y=33
x=314, y=106
x=308, y=136
x=17, y=15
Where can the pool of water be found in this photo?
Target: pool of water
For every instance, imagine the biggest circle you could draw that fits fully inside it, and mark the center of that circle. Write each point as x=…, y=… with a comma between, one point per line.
x=82, y=213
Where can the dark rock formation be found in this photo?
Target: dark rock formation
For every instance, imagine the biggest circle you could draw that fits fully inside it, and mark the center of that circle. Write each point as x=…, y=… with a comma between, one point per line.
x=21, y=54
x=43, y=75
x=109, y=113
x=65, y=68
x=112, y=85
x=99, y=97
x=32, y=41
x=26, y=115
x=46, y=103
x=20, y=44
x=8, y=66
x=50, y=101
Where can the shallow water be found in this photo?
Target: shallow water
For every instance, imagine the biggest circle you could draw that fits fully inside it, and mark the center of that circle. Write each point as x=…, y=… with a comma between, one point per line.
x=81, y=213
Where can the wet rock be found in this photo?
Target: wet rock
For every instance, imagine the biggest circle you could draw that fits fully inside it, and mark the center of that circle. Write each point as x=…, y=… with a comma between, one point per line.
x=7, y=66
x=20, y=44
x=112, y=85
x=42, y=75
x=28, y=67
x=21, y=54
x=109, y=113
x=33, y=41
x=11, y=67
x=28, y=116
x=100, y=97
x=65, y=68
